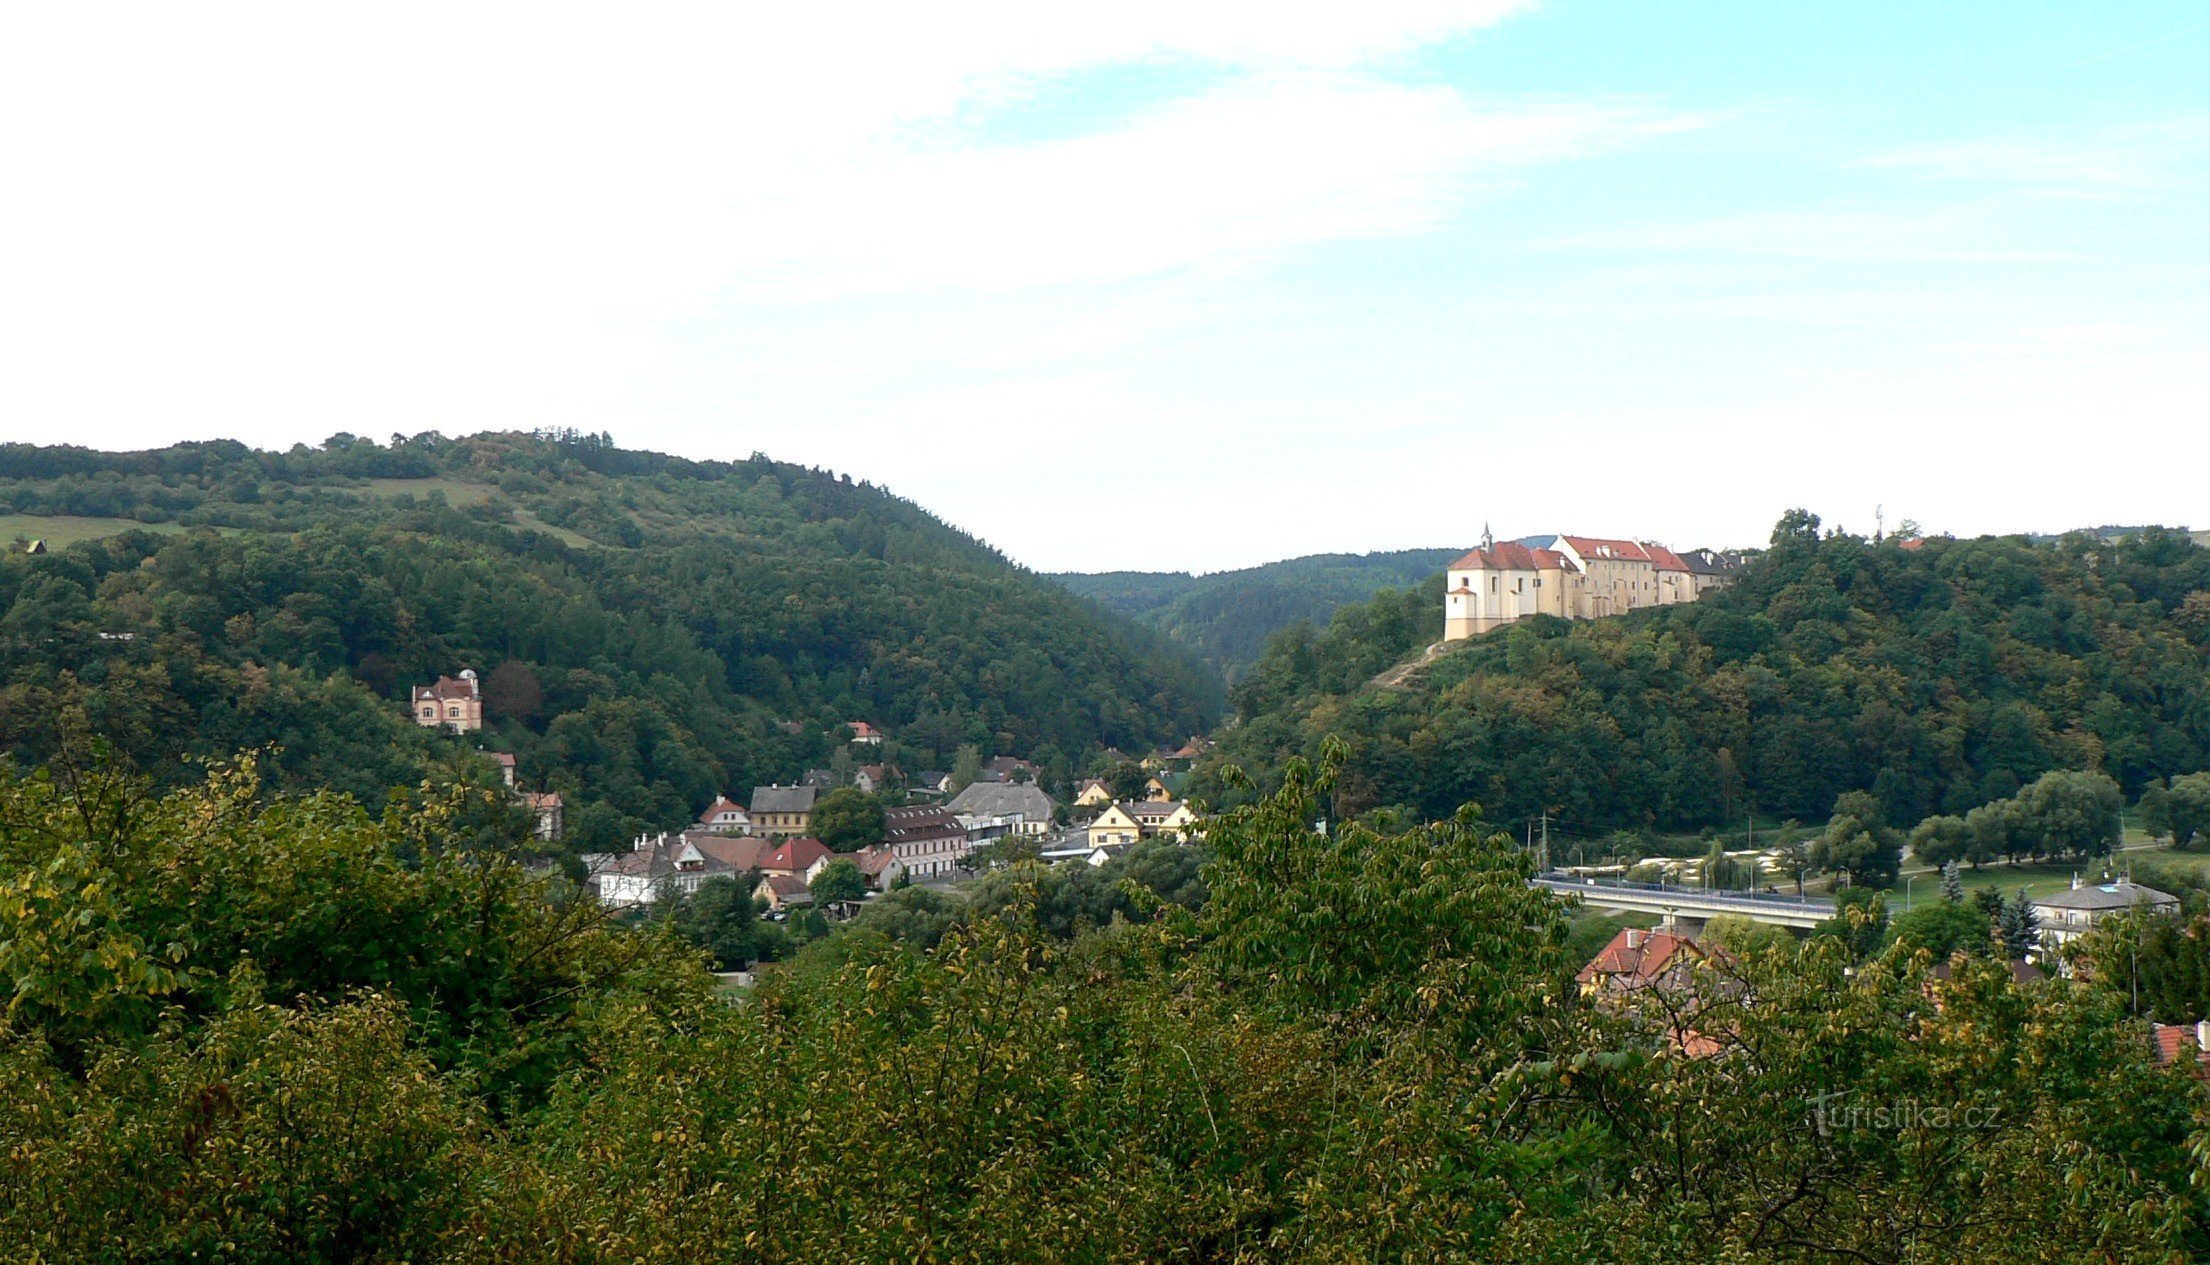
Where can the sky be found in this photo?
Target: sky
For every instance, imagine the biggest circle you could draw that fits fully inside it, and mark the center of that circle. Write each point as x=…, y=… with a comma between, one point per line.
x=1154, y=285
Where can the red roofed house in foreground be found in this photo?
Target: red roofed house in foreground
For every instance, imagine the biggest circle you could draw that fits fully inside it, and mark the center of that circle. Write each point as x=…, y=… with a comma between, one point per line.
x=1660, y=967
x=1571, y=577
x=1637, y=959
x=2183, y=1043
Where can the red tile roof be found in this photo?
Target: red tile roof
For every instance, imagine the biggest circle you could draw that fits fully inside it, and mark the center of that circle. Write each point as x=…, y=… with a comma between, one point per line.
x=2175, y=1041
x=1638, y=958
x=722, y=804
x=795, y=855
x=872, y=862
x=1597, y=547
x=447, y=688
x=1665, y=559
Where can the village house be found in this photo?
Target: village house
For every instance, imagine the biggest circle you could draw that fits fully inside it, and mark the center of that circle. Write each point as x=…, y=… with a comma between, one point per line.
x=1639, y=967
x=1005, y=768
x=2068, y=915
x=2187, y=1043
x=928, y=842
x=879, y=867
x=1092, y=793
x=1636, y=959
x=658, y=868
x=864, y=734
x=930, y=783
x=1570, y=577
x=454, y=703
x=544, y=808
x=783, y=810
x=1021, y=806
x=798, y=858
x=547, y=812
x=781, y=892
x=1131, y=821
x=725, y=817
x=872, y=777
x=1080, y=850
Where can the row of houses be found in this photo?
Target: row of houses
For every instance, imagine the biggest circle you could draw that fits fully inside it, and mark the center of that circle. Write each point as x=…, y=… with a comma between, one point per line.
x=1572, y=577
x=991, y=808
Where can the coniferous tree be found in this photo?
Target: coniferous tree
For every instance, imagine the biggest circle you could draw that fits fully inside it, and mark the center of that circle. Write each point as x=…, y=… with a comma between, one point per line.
x=2017, y=927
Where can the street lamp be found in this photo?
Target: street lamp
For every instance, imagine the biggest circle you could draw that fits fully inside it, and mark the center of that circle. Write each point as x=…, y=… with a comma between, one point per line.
x=1907, y=892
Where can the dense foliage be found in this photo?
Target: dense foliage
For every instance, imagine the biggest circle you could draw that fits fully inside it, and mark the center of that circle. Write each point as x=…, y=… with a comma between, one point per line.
x=1935, y=679
x=650, y=631
x=366, y=1040
x=1227, y=617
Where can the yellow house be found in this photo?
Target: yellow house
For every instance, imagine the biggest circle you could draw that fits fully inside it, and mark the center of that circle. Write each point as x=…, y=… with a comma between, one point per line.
x=1093, y=793
x=782, y=811
x=1115, y=825
x=1155, y=791
x=1132, y=820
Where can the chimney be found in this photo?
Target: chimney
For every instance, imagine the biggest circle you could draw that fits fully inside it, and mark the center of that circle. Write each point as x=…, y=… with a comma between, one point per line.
x=1634, y=938
x=2202, y=1034
x=2075, y=880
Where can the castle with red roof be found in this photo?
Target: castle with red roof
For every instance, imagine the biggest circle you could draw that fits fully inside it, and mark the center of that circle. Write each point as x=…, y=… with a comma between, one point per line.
x=1572, y=577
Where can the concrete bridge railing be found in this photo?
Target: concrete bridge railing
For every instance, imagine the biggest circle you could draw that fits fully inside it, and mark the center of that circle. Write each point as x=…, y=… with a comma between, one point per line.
x=1689, y=907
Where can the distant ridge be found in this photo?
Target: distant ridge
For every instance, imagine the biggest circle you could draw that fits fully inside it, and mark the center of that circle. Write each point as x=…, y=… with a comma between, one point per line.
x=1226, y=617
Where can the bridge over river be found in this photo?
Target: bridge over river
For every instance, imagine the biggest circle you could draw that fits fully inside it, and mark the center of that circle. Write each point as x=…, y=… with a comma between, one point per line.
x=1688, y=908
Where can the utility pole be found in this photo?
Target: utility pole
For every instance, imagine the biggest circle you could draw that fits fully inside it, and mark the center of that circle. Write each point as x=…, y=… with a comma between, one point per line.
x=1545, y=858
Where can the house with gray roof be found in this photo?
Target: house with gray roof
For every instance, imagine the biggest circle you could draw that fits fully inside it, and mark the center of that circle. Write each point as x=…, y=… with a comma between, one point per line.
x=1022, y=806
x=2066, y=916
x=783, y=810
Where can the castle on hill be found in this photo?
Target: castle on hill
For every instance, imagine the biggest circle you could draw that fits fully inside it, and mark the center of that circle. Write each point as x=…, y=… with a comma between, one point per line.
x=1572, y=577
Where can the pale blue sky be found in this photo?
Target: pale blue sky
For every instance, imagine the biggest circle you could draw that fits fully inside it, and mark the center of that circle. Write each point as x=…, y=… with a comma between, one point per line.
x=1159, y=286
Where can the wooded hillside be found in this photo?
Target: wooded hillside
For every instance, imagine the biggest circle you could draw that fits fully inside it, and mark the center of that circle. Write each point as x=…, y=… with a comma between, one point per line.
x=1226, y=617
x=642, y=623
x=1937, y=677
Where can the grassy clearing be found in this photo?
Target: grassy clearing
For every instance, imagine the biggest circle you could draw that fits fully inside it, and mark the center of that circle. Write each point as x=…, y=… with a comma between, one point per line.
x=575, y=539
x=58, y=530
x=458, y=494
x=2042, y=880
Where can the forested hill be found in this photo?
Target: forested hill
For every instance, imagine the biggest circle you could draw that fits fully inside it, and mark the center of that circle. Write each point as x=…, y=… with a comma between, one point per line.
x=1227, y=617
x=652, y=630
x=1937, y=677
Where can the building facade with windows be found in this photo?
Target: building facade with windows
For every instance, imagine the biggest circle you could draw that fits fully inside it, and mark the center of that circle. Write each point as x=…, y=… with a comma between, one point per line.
x=454, y=703
x=1571, y=577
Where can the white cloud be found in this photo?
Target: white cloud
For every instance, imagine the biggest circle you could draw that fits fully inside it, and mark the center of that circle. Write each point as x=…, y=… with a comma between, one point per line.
x=471, y=216
x=2096, y=161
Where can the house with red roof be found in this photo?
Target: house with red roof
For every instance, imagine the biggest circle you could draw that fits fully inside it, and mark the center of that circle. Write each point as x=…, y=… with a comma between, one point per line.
x=725, y=816
x=455, y=703
x=1638, y=959
x=1653, y=975
x=2184, y=1043
x=798, y=857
